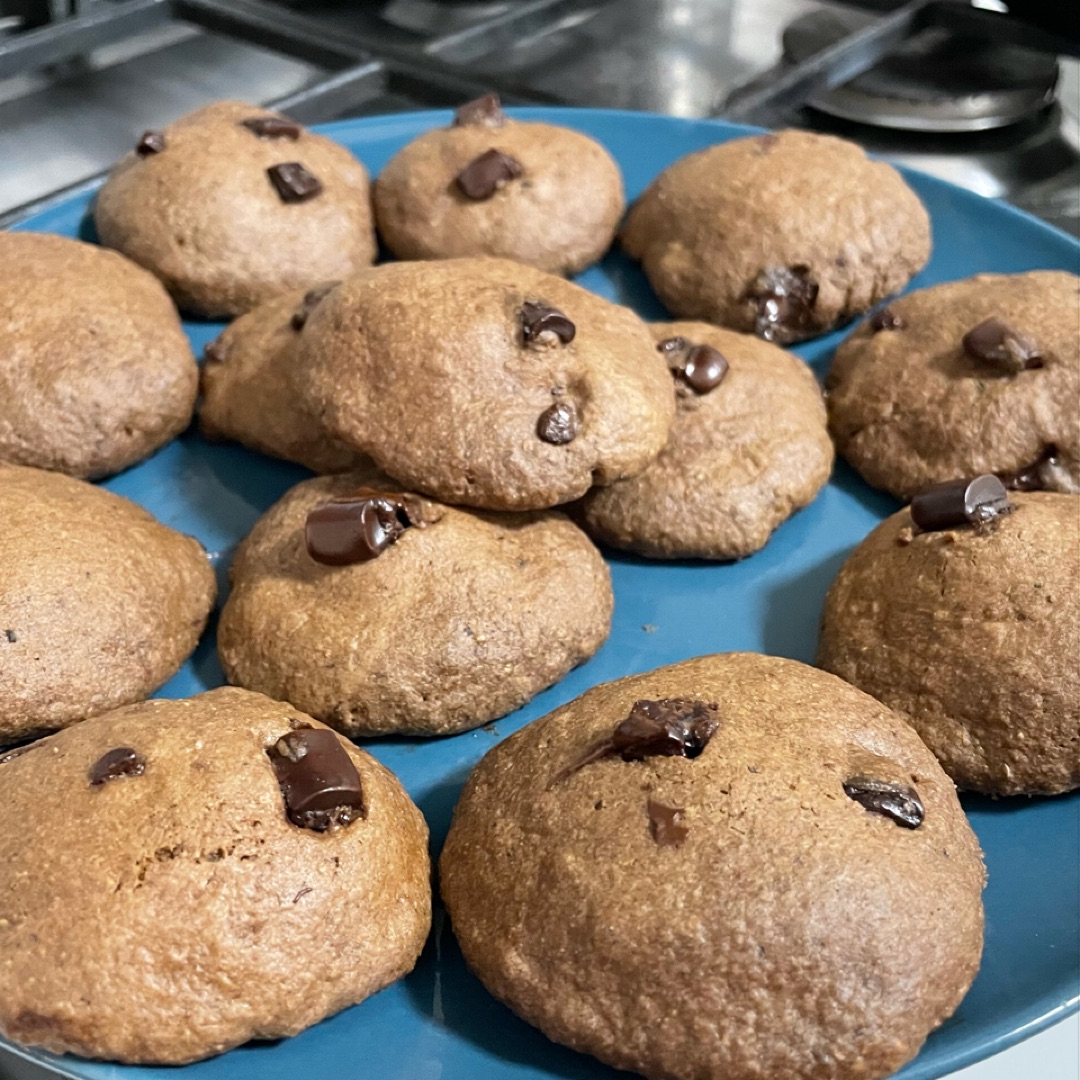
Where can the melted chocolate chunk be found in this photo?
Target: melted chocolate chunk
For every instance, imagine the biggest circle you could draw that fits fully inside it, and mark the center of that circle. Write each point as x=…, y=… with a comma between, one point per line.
x=670, y=727
x=312, y=299
x=559, y=424
x=359, y=527
x=318, y=780
x=10, y=637
x=895, y=801
x=152, y=142
x=293, y=182
x=886, y=319
x=485, y=175
x=673, y=348
x=123, y=761
x=1032, y=477
x=273, y=127
x=485, y=111
x=665, y=824
x=542, y=324
x=998, y=345
x=979, y=502
x=783, y=298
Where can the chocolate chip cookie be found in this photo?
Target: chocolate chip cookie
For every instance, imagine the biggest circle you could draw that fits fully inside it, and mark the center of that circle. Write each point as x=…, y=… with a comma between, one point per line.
x=748, y=448
x=248, y=392
x=784, y=235
x=97, y=373
x=484, y=382
x=973, y=376
x=232, y=204
x=215, y=870
x=378, y=611
x=99, y=603
x=491, y=185
x=971, y=628
x=697, y=874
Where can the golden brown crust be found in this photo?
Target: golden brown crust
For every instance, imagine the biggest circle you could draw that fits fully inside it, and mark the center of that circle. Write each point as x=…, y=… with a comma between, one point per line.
x=97, y=373
x=975, y=637
x=204, y=217
x=99, y=602
x=455, y=624
x=792, y=933
x=186, y=914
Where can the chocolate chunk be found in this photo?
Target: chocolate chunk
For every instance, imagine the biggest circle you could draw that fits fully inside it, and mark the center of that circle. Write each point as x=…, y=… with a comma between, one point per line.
x=673, y=348
x=670, y=727
x=783, y=298
x=214, y=352
x=485, y=175
x=485, y=111
x=152, y=142
x=665, y=824
x=273, y=127
x=886, y=319
x=123, y=761
x=10, y=636
x=359, y=527
x=998, y=345
x=293, y=182
x=704, y=369
x=542, y=324
x=895, y=801
x=318, y=780
x=979, y=502
x=312, y=299
x=1032, y=477
x=559, y=424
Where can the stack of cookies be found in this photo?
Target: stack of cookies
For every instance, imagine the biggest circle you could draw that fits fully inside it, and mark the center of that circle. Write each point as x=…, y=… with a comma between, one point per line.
x=692, y=873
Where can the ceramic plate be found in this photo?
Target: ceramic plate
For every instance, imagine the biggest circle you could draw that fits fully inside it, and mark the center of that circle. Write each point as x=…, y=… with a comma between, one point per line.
x=439, y=1023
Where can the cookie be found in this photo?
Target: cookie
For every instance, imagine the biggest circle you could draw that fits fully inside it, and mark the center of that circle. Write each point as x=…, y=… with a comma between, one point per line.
x=97, y=372
x=380, y=612
x=973, y=376
x=748, y=448
x=218, y=869
x=483, y=382
x=541, y=194
x=973, y=633
x=99, y=603
x=784, y=235
x=697, y=873
x=232, y=204
x=248, y=393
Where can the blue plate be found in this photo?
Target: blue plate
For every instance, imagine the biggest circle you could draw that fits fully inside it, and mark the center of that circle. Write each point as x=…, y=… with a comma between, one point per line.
x=439, y=1023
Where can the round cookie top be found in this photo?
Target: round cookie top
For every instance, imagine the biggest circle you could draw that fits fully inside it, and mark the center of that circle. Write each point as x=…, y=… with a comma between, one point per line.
x=722, y=913
x=484, y=382
x=974, y=634
x=973, y=376
x=748, y=447
x=489, y=185
x=219, y=891
x=99, y=602
x=784, y=235
x=248, y=392
x=381, y=612
x=97, y=372
x=233, y=204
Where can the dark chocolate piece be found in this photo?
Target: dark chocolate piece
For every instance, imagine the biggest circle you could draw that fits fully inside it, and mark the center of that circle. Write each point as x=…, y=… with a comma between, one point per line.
x=1031, y=477
x=542, y=324
x=897, y=802
x=318, y=780
x=704, y=369
x=293, y=182
x=152, y=142
x=673, y=348
x=485, y=111
x=783, y=298
x=10, y=636
x=123, y=761
x=980, y=502
x=886, y=319
x=559, y=424
x=666, y=824
x=485, y=175
x=273, y=127
x=998, y=345
x=312, y=299
x=358, y=527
